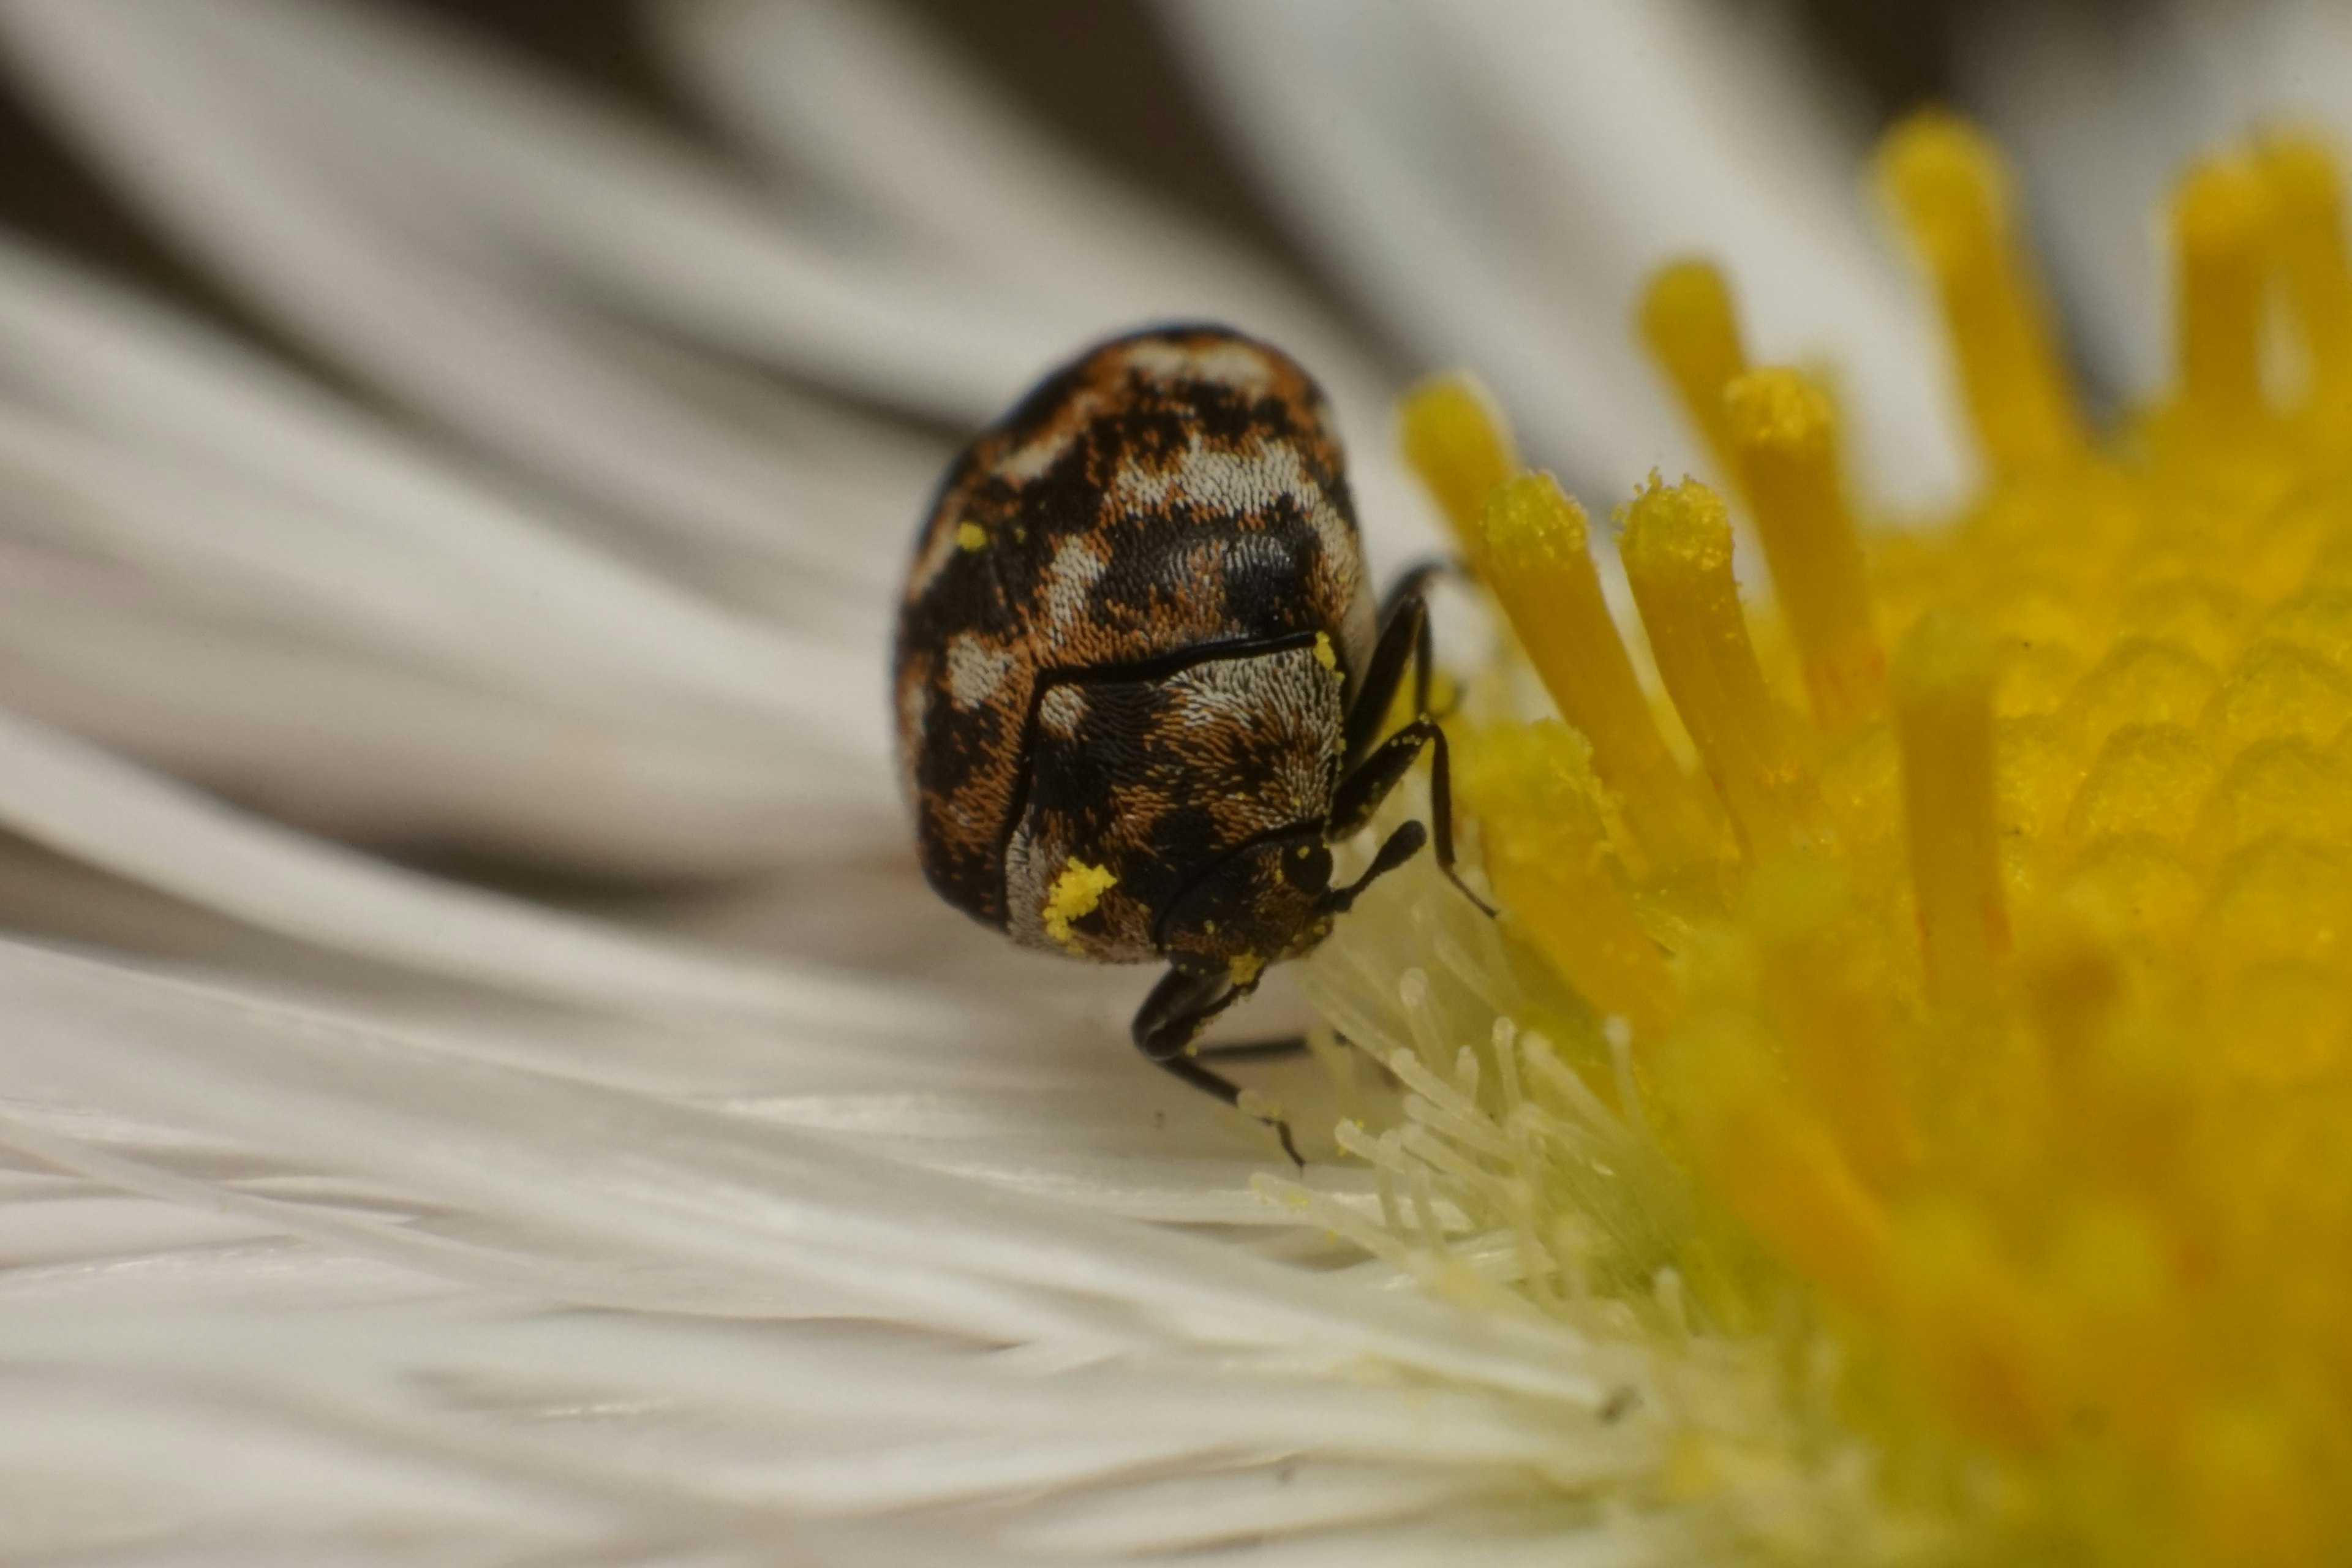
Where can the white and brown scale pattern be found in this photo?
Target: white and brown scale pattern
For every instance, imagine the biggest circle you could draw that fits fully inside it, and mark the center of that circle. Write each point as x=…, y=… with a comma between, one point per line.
x=1131, y=623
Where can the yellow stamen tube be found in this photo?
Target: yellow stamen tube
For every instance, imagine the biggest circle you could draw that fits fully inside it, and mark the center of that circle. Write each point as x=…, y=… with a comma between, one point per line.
x=1783, y=436
x=1677, y=554
x=1776, y=1166
x=2220, y=215
x=1459, y=446
x=1535, y=790
x=1690, y=328
x=1943, y=716
x=1833, y=1023
x=2307, y=225
x=1539, y=565
x=1950, y=195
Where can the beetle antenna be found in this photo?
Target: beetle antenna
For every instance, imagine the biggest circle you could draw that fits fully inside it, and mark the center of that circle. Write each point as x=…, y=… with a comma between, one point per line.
x=1395, y=851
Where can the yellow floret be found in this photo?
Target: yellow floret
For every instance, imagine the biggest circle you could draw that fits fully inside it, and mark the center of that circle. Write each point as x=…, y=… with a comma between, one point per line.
x=1943, y=1069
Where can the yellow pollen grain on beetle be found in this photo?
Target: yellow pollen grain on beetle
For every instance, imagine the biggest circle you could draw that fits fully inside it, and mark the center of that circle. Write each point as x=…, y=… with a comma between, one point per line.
x=1324, y=655
x=1937, y=1078
x=1075, y=894
x=970, y=536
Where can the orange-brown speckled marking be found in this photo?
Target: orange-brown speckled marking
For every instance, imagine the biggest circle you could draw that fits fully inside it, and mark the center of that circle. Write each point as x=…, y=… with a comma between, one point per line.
x=1166, y=495
x=1139, y=687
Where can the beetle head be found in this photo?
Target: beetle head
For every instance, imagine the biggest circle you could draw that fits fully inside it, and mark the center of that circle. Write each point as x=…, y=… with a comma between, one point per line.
x=1266, y=901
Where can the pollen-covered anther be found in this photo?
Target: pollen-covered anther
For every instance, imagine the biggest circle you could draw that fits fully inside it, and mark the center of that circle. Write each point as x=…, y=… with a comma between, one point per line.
x=2220, y=221
x=1783, y=436
x=1459, y=446
x=2307, y=232
x=1950, y=193
x=1691, y=328
x=1550, y=864
x=1774, y=1161
x=1943, y=706
x=1533, y=539
x=1993, y=1095
x=1677, y=554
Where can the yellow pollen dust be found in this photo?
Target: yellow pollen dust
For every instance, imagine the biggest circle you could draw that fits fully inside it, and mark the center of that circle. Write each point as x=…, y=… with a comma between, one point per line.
x=1965, y=1014
x=1076, y=892
x=1244, y=968
x=1324, y=656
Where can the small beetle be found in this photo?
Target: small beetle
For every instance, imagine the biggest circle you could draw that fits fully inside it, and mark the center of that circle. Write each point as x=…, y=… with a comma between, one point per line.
x=1140, y=683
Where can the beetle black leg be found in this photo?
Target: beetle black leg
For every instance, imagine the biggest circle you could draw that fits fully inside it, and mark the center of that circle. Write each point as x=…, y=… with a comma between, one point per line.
x=1413, y=582
x=1360, y=793
x=1251, y=1050
x=1404, y=635
x=1412, y=586
x=1404, y=638
x=1401, y=604
x=1173, y=1015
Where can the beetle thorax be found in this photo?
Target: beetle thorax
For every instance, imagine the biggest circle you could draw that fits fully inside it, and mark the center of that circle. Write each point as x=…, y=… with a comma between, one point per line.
x=1143, y=787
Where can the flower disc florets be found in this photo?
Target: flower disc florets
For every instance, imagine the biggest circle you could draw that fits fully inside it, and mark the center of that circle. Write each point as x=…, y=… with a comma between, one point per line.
x=1923, y=1012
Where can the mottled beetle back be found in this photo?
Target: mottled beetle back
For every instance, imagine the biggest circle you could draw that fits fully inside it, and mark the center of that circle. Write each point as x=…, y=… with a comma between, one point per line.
x=1168, y=496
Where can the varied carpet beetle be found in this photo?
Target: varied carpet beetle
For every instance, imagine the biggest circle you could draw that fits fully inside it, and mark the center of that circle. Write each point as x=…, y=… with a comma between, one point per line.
x=1140, y=680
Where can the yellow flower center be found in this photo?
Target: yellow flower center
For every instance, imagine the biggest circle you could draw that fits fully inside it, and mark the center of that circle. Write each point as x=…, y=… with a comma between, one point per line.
x=1933, y=990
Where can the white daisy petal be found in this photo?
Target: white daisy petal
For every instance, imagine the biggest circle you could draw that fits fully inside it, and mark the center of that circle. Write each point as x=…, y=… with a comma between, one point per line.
x=156, y=387
x=2102, y=116
x=307, y=608
x=513, y=156
x=668, y=1204
x=344, y=1205
x=2105, y=112
x=343, y=742
x=859, y=97
x=1341, y=116
x=82, y=803
x=1671, y=128
x=1498, y=182
x=483, y=1176
x=890, y=119
x=381, y=245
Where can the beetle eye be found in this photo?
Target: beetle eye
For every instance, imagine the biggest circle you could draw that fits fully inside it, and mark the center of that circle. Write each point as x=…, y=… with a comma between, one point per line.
x=1309, y=866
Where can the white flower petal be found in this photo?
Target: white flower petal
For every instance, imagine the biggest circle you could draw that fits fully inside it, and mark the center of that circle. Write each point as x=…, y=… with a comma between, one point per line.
x=1670, y=127
x=382, y=243
x=512, y=154
x=857, y=95
x=156, y=389
x=2103, y=112
x=2100, y=115
x=487, y=1174
x=342, y=742
x=695, y=738
x=1347, y=126
x=296, y=561
x=83, y=803
x=719, y=1205
x=1498, y=180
